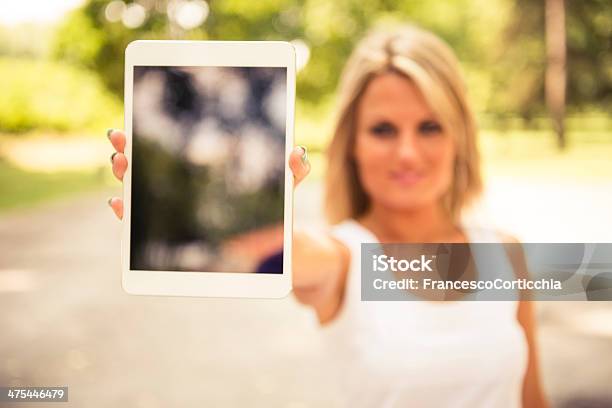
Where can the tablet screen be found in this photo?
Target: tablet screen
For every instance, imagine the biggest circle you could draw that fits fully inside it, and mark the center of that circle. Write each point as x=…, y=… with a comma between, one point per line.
x=208, y=160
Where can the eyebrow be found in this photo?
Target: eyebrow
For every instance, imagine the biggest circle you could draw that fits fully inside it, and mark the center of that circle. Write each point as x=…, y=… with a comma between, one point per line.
x=393, y=121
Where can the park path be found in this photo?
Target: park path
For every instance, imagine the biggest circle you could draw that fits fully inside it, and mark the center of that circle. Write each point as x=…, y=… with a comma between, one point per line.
x=65, y=320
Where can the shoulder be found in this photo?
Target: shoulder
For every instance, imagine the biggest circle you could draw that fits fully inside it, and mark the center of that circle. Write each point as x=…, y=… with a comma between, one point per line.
x=350, y=233
x=343, y=226
x=511, y=245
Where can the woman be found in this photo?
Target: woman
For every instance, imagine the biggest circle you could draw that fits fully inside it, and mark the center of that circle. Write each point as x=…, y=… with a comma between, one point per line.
x=402, y=165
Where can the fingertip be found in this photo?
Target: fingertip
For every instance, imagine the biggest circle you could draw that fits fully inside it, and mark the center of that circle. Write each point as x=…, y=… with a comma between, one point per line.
x=294, y=159
x=300, y=154
x=294, y=156
x=119, y=165
x=117, y=206
x=117, y=139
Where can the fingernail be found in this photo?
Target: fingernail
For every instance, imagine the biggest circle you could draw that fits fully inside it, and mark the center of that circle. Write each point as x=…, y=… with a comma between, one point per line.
x=108, y=132
x=113, y=156
x=304, y=154
x=110, y=202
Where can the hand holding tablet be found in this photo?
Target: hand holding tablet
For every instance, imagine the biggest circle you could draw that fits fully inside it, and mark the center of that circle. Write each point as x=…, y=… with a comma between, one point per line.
x=209, y=133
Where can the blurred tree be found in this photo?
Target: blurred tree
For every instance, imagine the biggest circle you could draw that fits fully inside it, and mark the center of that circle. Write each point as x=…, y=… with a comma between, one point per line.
x=329, y=28
x=500, y=42
x=88, y=39
x=589, y=42
x=556, y=71
x=519, y=65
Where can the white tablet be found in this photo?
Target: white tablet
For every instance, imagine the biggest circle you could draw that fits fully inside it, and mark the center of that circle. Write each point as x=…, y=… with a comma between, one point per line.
x=208, y=190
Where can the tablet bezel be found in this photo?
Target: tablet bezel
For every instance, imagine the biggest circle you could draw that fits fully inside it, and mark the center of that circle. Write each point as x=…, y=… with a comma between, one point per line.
x=208, y=53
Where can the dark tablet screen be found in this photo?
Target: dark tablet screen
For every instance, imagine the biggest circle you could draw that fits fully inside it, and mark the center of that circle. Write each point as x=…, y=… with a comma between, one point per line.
x=208, y=160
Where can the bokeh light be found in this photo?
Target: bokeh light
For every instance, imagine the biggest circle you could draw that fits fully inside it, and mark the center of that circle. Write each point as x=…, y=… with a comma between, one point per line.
x=114, y=11
x=188, y=14
x=134, y=16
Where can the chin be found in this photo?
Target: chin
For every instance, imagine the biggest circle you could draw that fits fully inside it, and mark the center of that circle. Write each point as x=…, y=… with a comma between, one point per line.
x=407, y=202
x=406, y=198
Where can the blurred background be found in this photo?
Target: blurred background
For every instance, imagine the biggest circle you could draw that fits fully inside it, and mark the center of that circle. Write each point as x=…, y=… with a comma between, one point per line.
x=539, y=74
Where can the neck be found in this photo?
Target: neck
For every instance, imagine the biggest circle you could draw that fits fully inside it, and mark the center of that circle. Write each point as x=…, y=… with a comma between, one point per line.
x=426, y=224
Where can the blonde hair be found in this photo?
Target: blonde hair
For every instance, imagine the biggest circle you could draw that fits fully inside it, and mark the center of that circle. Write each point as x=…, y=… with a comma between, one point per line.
x=431, y=64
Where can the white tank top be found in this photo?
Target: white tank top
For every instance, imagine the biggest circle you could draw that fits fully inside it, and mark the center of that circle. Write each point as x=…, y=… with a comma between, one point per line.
x=425, y=354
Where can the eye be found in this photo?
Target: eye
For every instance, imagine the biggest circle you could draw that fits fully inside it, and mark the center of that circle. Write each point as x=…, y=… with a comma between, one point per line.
x=383, y=129
x=430, y=128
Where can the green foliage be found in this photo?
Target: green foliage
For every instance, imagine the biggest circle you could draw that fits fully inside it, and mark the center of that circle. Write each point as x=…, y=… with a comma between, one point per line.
x=518, y=66
x=589, y=42
x=500, y=42
x=101, y=44
x=89, y=44
x=46, y=95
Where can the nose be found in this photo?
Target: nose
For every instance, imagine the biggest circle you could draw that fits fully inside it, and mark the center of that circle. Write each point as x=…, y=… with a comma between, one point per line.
x=408, y=149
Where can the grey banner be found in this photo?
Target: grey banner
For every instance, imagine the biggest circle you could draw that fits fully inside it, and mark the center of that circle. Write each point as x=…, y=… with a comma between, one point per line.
x=486, y=271
x=33, y=394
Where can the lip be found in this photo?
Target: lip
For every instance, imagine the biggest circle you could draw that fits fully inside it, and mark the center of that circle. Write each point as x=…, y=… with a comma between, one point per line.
x=406, y=178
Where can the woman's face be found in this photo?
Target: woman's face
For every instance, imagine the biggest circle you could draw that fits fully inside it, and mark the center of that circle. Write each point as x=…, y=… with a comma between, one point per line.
x=404, y=156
